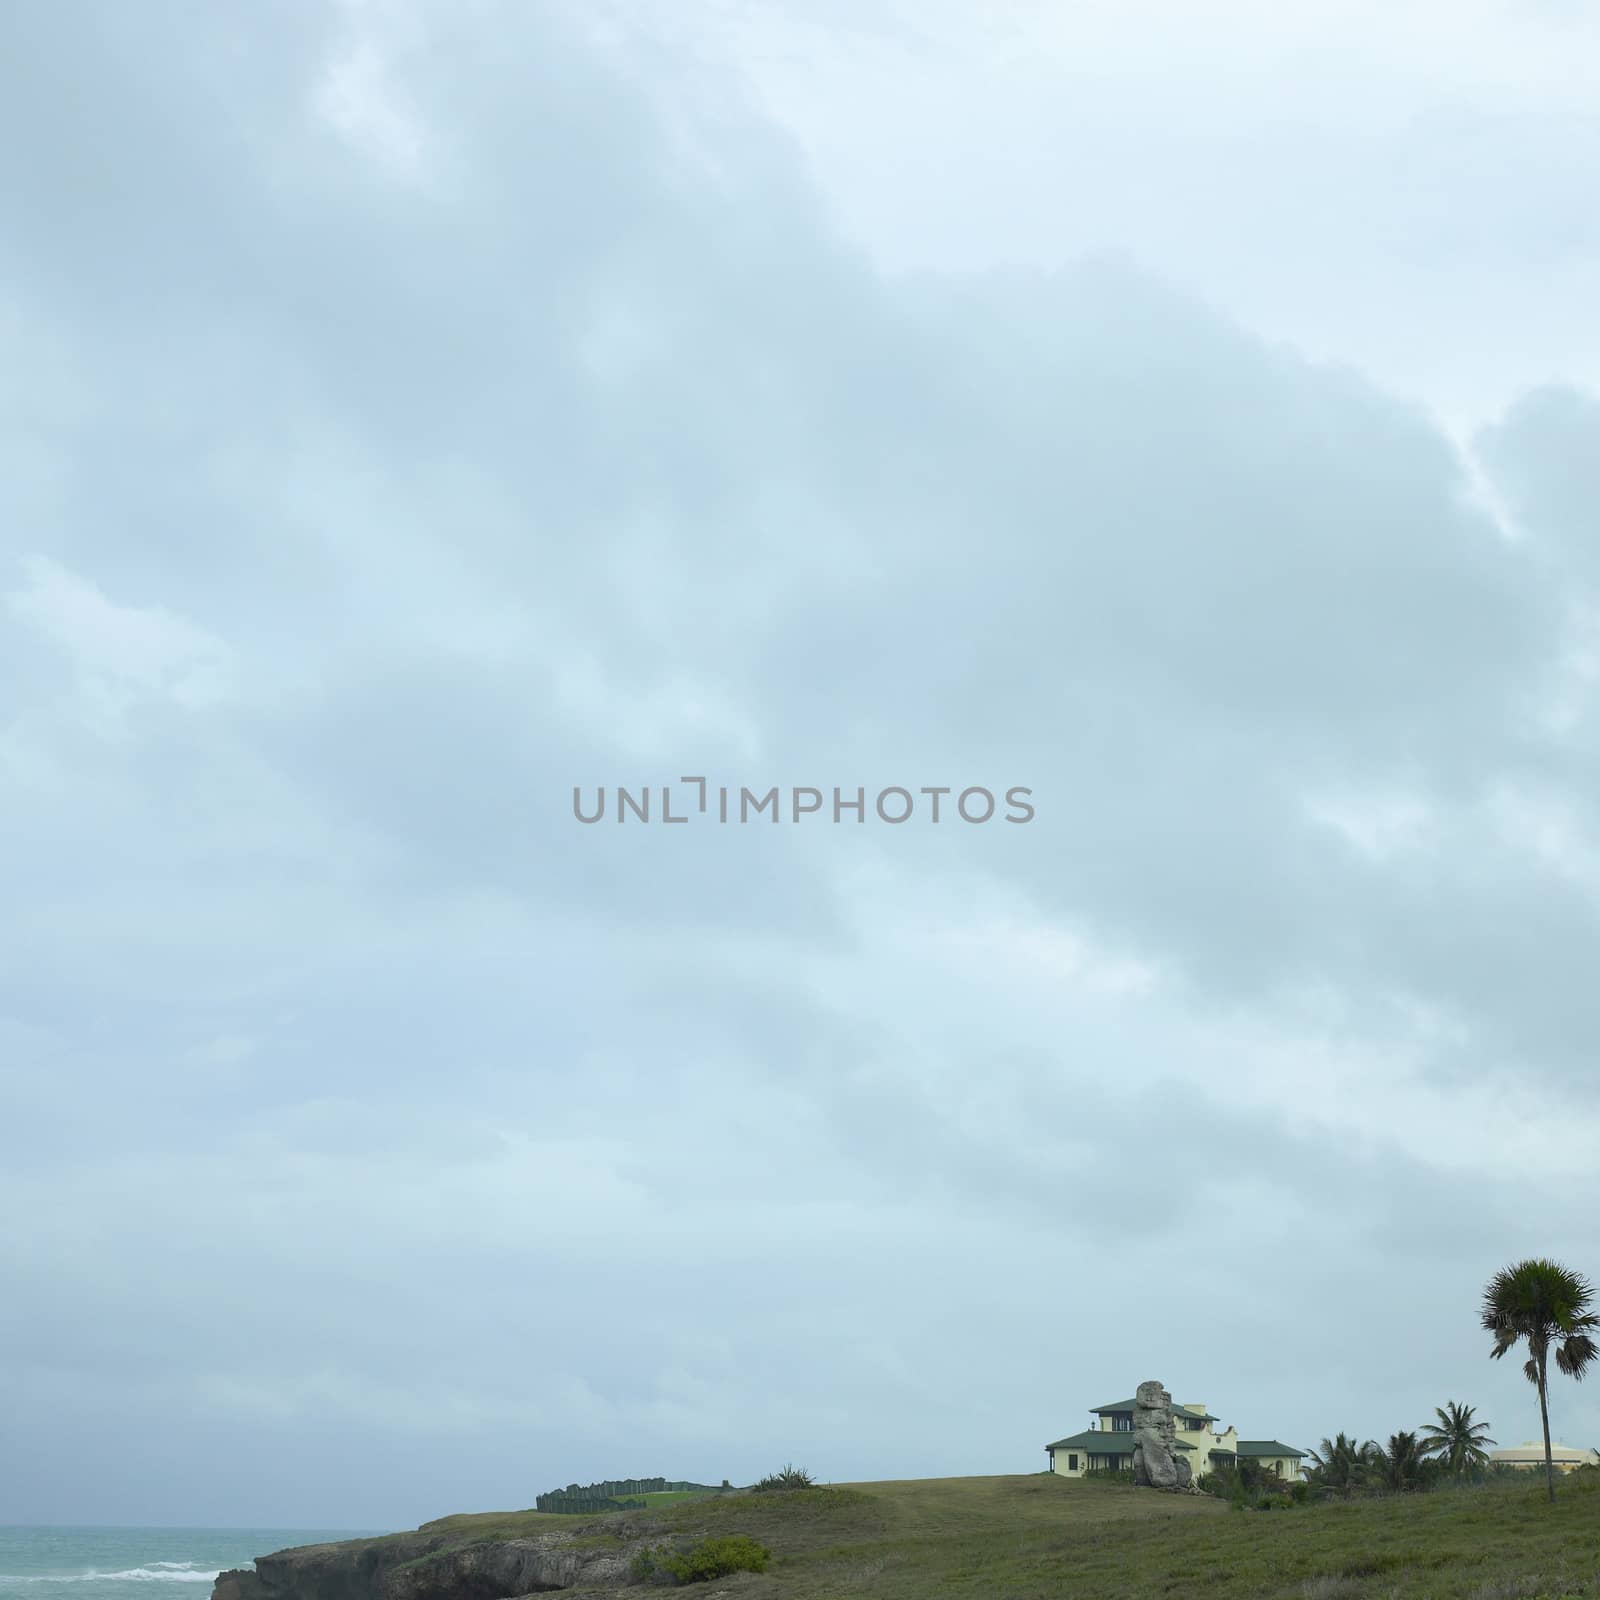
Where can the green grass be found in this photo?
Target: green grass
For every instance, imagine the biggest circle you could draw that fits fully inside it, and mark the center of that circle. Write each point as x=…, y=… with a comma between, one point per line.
x=1042, y=1537
x=474, y=1526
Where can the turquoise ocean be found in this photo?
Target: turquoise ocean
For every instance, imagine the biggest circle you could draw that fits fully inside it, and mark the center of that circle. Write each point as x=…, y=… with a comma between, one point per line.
x=137, y=1563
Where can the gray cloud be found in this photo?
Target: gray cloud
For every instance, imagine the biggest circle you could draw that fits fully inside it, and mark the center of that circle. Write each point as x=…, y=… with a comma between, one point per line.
x=415, y=426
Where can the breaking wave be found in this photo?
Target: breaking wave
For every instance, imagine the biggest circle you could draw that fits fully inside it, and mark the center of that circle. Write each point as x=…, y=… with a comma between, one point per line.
x=156, y=1572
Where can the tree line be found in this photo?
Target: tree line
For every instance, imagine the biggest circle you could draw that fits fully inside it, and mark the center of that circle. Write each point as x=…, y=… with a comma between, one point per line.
x=1537, y=1305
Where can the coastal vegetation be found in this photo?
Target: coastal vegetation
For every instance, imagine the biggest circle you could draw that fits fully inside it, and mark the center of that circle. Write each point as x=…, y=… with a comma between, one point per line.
x=621, y=1494
x=650, y=1494
x=787, y=1478
x=701, y=1561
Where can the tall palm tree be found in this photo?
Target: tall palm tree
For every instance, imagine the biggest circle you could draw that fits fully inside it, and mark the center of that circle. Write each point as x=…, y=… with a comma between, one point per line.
x=1544, y=1303
x=1456, y=1439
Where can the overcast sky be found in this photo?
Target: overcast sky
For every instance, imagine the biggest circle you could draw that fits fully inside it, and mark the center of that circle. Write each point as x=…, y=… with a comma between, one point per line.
x=409, y=415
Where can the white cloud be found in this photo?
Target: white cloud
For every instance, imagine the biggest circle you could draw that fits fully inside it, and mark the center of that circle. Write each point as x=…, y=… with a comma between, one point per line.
x=359, y=97
x=122, y=654
x=1376, y=824
x=1354, y=178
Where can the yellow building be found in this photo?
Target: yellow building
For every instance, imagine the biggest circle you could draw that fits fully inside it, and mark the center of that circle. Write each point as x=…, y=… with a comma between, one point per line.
x=1282, y=1459
x=1562, y=1457
x=1108, y=1445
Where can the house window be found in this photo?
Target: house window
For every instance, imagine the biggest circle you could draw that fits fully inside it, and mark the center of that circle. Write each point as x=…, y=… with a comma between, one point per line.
x=1072, y=1463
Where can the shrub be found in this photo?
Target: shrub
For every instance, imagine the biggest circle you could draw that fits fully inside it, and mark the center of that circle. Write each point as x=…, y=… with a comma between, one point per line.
x=789, y=1478
x=699, y=1563
x=647, y=1567
x=1122, y=1475
x=1254, y=1490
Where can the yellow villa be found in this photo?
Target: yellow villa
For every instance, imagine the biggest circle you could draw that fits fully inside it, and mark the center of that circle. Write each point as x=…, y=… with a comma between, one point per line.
x=1108, y=1445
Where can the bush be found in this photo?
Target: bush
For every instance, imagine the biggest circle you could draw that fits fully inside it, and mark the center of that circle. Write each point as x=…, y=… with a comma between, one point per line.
x=699, y=1563
x=1252, y=1489
x=789, y=1478
x=647, y=1567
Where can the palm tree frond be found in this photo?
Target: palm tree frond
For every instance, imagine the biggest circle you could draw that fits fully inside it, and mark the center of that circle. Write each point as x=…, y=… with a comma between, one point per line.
x=1574, y=1354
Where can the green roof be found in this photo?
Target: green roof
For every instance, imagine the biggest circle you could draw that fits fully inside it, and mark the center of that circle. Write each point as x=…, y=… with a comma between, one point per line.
x=1096, y=1439
x=1105, y=1442
x=1267, y=1447
x=1132, y=1405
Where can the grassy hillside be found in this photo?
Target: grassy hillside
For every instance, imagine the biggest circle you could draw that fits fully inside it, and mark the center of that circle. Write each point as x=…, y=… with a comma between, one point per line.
x=1046, y=1538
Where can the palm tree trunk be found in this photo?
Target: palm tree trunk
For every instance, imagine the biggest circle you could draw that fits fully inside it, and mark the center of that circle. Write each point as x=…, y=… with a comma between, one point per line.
x=1544, y=1416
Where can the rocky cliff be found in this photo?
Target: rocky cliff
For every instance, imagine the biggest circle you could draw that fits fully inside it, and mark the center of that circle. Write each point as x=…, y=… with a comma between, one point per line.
x=434, y=1566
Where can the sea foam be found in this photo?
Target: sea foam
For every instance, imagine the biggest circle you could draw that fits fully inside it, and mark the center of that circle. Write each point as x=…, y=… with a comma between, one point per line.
x=157, y=1572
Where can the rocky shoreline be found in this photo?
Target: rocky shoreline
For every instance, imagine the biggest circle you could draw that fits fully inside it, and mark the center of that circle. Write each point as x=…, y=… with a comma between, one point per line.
x=437, y=1566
